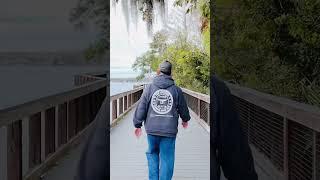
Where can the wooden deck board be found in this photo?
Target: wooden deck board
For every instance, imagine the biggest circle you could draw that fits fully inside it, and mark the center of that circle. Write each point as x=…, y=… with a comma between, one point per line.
x=128, y=159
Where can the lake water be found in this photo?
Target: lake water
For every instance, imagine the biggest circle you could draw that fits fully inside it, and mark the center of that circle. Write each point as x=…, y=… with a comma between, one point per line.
x=21, y=83
x=119, y=87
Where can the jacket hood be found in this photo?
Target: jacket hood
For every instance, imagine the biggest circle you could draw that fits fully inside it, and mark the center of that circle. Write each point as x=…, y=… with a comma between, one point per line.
x=163, y=81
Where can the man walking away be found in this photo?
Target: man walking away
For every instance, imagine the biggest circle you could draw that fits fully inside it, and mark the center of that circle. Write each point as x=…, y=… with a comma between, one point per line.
x=160, y=106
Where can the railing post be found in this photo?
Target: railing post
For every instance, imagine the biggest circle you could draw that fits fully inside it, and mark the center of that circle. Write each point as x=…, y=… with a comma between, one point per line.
x=120, y=105
x=14, y=151
x=128, y=106
x=199, y=109
x=117, y=108
x=249, y=123
x=208, y=115
x=114, y=109
x=314, y=157
x=25, y=145
x=125, y=102
x=56, y=128
x=67, y=122
x=43, y=136
x=286, y=149
x=3, y=153
x=62, y=123
x=132, y=100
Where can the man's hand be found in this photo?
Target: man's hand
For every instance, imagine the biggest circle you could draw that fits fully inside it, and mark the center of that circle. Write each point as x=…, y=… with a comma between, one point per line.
x=184, y=124
x=138, y=132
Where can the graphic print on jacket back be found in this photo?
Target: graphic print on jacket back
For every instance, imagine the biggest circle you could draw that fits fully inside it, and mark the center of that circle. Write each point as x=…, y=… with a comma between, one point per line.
x=160, y=106
x=162, y=101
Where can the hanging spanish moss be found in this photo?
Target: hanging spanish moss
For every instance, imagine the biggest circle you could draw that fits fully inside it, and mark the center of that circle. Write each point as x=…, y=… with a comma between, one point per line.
x=146, y=9
x=157, y=15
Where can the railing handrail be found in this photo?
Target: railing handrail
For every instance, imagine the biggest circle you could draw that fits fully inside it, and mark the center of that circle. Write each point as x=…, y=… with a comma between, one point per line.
x=304, y=114
x=116, y=96
x=203, y=97
x=17, y=112
x=92, y=75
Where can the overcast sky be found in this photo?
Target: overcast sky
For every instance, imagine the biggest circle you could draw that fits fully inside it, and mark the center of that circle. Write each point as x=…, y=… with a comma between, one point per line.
x=126, y=46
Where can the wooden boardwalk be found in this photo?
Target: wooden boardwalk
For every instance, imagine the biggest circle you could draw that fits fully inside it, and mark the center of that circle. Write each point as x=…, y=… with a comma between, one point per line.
x=128, y=159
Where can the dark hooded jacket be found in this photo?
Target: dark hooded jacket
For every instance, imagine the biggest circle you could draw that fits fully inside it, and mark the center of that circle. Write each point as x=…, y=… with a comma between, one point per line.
x=229, y=147
x=160, y=106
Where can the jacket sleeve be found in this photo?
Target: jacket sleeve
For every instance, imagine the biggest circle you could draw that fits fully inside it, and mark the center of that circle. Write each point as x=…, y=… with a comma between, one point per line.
x=141, y=111
x=183, y=107
x=234, y=153
x=94, y=159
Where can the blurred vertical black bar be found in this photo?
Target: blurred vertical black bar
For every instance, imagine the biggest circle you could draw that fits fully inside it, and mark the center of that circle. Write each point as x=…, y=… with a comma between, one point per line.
x=213, y=169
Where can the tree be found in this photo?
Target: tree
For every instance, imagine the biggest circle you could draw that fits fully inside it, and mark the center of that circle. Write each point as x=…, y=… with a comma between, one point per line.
x=190, y=63
x=267, y=45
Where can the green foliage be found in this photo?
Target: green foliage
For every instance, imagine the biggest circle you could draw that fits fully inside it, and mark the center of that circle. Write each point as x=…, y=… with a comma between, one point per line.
x=202, y=5
x=268, y=45
x=144, y=63
x=206, y=39
x=98, y=12
x=96, y=49
x=190, y=64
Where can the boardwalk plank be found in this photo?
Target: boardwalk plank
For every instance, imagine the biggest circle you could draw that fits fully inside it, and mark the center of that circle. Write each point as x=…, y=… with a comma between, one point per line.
x=128, y=160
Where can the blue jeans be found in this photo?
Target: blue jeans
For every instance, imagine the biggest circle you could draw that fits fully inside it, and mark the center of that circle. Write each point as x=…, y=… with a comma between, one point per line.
x=160, y=156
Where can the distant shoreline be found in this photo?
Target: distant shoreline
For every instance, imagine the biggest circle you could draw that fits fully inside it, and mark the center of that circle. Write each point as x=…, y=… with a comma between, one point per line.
x=123, y=80
x=58, y=58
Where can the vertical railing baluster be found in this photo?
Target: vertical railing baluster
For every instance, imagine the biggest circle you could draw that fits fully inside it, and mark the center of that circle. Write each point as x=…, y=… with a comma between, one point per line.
x=71, y=119
x=35, y=144
x=128, y=106
x=249, y=122
x=3, y=153
x=63, y=123
x=118, y=109
x=199, y=108
x=25, y=145
x=286, y=148
x=131, y=97
x=56, y=128
x=43, y=136
x=14, y=151
x=314, y=156
x=208, y=114
x=125, y=102
x=67, y=122
x=120, y=105
x=50, y=128
x=114, y=109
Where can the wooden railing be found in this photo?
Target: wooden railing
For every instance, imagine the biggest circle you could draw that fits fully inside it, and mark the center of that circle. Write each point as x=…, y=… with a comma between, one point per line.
x=81, y=79
x=286, y=133
x=123, y=102
x=33, y=134
x=199, y=104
